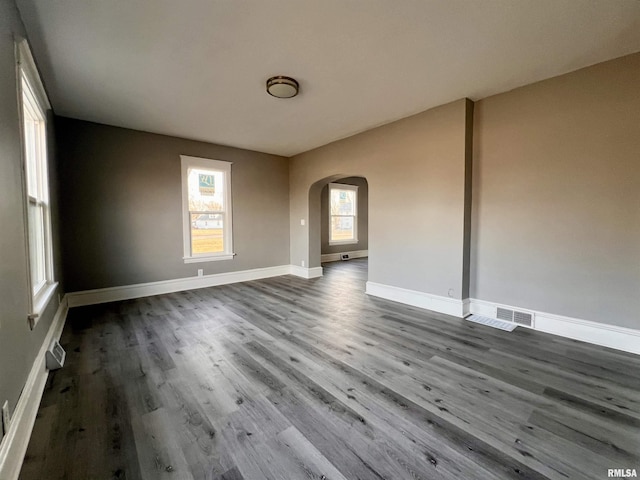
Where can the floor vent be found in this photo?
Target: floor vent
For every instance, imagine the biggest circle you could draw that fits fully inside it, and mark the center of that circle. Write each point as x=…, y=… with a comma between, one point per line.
x=55, y=356
x=515, y=316
x=492, y=322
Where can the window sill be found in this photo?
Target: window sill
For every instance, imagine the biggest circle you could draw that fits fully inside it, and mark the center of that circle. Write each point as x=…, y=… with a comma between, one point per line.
x=40, y=303
x=213, y=258
x=345, y=242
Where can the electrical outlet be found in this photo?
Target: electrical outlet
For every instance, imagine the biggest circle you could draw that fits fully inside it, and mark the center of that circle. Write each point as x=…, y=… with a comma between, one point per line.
x=6, y=417
x=302, y=222
x=200, y=272
x=302, y=263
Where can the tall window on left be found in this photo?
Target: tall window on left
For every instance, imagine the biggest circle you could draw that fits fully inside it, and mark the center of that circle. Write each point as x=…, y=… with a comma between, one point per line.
x=34, y=105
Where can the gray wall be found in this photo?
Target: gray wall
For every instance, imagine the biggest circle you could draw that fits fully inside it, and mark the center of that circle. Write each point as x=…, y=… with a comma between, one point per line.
x=556, y=195
x=415, y=168
x=363, y=217
x=122, y=206
x=18, y=344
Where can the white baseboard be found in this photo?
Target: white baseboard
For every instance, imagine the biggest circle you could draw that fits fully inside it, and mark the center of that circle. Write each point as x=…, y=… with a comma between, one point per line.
x=466, y=307
x=620, y=338
x=450, y=306
x=15, y=442
x=484, y=309
x=334, y=257
x=128, y=292
x=303, y=272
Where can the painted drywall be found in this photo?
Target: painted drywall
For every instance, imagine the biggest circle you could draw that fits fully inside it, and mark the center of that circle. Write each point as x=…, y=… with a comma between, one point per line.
x=363, y=217
x=415, y=169
x=18, y=344
x=468, y=190
x=556, y=195
x=122, y=206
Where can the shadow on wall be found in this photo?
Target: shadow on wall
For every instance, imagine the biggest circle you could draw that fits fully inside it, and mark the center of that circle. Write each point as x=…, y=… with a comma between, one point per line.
x=319, y=217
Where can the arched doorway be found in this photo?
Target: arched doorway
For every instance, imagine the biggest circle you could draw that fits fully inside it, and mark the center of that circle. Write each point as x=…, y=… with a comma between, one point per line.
x=332, y=233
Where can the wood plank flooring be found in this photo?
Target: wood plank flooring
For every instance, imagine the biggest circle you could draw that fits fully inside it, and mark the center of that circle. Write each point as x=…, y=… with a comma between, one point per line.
x=286, y=378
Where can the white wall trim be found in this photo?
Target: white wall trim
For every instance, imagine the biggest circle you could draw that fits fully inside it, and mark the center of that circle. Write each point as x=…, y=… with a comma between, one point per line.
x=334, y=257
x=466, y=307
x=303, y=272
x=612, y=336
x=450, y=306
x=15, y=442
x=128, y=292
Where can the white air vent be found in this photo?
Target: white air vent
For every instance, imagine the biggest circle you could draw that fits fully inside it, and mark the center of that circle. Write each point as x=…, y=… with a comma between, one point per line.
x=504, y=314
x=492, y=322
x=521, y=318
x=55, y=356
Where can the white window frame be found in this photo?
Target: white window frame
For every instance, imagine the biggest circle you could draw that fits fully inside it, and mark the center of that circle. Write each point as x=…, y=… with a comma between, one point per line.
x=354, y=188
x=187, y=163
x=34, y=104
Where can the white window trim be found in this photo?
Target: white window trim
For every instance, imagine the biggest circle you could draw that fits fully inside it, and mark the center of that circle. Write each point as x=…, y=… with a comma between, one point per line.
x=26, y=67
x=354, y=188
x=206, y=163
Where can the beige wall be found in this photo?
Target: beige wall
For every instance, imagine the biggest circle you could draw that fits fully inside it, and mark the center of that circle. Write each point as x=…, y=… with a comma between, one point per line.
x=556, y=195
x=553, y=225
x=415, y=169
x=122, y=205
x=18, y=344
x=363, y=217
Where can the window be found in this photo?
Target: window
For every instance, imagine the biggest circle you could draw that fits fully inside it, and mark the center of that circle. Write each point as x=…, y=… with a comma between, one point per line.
x=206, y=206
x=343, y=214
x=34, y=105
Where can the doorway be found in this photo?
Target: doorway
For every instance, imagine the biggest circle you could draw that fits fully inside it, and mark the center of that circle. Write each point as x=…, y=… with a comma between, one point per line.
x=339, y=224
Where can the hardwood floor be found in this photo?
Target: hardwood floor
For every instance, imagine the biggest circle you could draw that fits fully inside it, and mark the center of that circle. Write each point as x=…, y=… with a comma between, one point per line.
x=288, y=378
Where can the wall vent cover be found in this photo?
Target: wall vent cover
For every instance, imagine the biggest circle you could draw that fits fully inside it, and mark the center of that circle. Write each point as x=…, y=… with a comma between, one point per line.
x=515, y=316
x=523, y=318
x=492, y=322
x=55, y=356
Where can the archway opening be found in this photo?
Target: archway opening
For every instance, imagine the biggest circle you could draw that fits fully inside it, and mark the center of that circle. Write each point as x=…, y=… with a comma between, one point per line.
x=338, y=220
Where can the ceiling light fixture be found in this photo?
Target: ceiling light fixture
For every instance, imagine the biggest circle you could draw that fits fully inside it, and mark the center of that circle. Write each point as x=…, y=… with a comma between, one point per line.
x=282, y=87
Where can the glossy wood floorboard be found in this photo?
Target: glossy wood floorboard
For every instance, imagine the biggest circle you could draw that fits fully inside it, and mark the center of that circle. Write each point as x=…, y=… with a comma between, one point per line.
x=287, y=378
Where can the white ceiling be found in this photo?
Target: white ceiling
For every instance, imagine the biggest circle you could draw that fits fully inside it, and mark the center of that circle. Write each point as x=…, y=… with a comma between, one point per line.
x=197, y=68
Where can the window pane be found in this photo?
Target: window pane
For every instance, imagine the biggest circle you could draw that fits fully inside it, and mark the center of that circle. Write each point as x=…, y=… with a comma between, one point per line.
x=207, y=233
x=342, y=228
x=342, y=202
x=37, y=246
x=31, y=139
x=206, y=190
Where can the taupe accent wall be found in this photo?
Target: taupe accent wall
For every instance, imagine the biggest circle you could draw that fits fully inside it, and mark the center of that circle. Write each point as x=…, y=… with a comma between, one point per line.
x=415, y=169
x=122, y=206
x=18, y=344
x=363, y=217
x=556, y=195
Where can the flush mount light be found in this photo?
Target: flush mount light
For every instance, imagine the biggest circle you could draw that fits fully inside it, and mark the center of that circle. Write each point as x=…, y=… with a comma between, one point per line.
x=282, y=87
